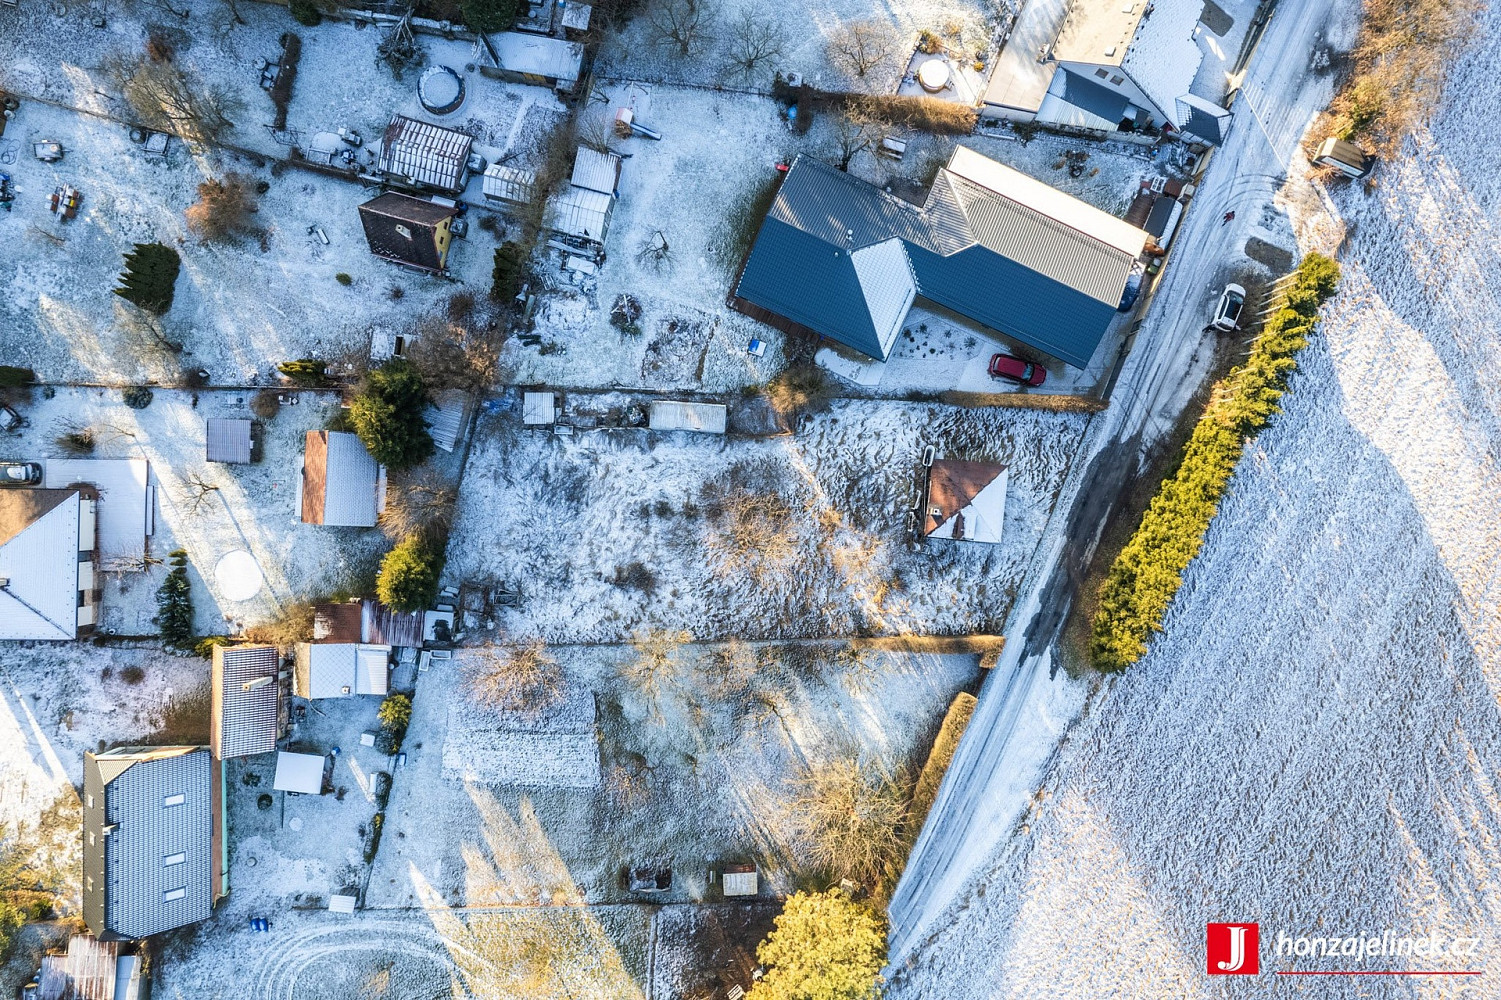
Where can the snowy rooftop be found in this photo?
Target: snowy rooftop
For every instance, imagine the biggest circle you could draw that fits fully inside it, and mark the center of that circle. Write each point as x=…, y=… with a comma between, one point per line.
x=299, y=772
x=39, y=546
x=538, y=55
x=1164, y=58
x=126, y=495
x=341, y=669
x=425, y=153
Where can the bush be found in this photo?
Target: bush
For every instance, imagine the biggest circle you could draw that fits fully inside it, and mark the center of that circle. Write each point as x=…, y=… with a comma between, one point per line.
x=265, y=404
x=489, y=15
x=509, y=272
x=372, y=837
x=801, y=389
x=77, y=441
x=305, y=371
x=924, y=114
x=395, y=715
x=306, y=12
x=852, y=814
x=205, y=646
x=1149, y=570
x=343, y=278
x=11, y=376
x=137, y=397
x=409, y=576
x=516, y=678
x=388, y=415
x=150, y=276
x=223, y=208
x=174, y=604
x=824, y=946
x=939, y=759
x=133, y=675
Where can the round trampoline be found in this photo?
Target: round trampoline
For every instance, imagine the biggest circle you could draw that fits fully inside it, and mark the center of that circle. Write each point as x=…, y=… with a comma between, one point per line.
x=441, y=90
x=933, y=75
x=238, y=576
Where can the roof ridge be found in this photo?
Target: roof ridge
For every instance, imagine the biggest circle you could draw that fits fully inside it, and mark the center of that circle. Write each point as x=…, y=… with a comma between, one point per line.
x=1057, y=225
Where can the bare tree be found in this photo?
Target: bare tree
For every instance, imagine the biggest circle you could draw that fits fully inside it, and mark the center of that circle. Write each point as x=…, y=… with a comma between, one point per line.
x=164, y=98
x=597, y=132
x=852, y=814
x=456, y=353
x=856, y=132
x=655, y=252
x=421, y=504
x=516, y=677
x=860, y=46
x=756, y=38
x=684, y=25
x=223, y=208
x=655, y=665
x=196, y=491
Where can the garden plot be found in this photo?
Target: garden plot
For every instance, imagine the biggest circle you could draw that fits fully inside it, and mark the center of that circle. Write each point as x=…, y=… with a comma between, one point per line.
x=250, y=508
x=240, y=308
x=1312, y=742
x=639, y=50
x=701, y=766
x=606, y=533
x=558, y=749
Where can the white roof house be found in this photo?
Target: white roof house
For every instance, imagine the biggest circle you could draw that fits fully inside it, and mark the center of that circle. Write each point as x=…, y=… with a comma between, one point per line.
x=537, y=59
x=47, y=545
x=126, y=499
x=424, y=154
x=341, y=483
x=298, y=772
x=341, y=669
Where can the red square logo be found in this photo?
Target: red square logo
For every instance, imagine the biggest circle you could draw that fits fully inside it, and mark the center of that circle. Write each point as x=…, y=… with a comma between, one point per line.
x=1234, y=949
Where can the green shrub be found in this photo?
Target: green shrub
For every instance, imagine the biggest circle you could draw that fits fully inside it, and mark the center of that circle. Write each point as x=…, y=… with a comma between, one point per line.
x=409, y=576
x=395, y=712
x=150, y=276
x=174, y=604
x=306, y=12
x=1149, y=570
x=388, y=415
x=825, y=946
x=343, y=278
x=509, y=272
x=372, y=836
x=10, y=376
x=137, y=397
x=205, y=646
x=489, y=15
x=305, y=371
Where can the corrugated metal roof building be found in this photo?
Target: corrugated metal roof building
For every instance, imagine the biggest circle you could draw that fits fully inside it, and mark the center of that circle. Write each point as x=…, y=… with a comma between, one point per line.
x=990, y=244
x=341, y=669
x=245, y=718
x=153, y=840
x=582, y=213
x=228, y=440
x=596, y=171
x=425, y=155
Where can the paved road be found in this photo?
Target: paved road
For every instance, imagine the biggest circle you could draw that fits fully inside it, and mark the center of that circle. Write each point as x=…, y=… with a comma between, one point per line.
x=988, y=782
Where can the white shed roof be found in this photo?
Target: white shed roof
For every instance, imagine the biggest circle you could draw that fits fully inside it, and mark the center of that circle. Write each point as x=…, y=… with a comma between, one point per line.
x=596, y=171
x=741, y=884
x=582, y=213
x=667, y=415
x=509, y=183
x=298, y=772
x=538, y=55
x=125, y=492
x=425, y=153
x=538, y=408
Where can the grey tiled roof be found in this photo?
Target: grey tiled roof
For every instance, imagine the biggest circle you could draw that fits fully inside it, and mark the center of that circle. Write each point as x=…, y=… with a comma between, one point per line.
x=244, y=722
x=228, y=440
x=135, y=885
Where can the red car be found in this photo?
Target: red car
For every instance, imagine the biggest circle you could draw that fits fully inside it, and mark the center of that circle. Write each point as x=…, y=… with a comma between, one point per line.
x=1017, y=370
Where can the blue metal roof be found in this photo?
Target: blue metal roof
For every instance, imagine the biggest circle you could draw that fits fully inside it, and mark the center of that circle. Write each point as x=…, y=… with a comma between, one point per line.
x=800, y=268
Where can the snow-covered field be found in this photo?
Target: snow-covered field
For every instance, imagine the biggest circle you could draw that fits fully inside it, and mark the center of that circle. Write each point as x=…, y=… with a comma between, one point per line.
x=564, y=519
x=1312, y=743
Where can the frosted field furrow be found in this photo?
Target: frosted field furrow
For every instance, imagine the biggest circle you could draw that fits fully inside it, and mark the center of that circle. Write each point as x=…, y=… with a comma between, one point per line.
x=1313, y=742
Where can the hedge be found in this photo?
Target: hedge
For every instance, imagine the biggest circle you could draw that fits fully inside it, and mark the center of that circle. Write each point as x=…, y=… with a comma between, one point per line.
x=939, y=759
x=1149, y=570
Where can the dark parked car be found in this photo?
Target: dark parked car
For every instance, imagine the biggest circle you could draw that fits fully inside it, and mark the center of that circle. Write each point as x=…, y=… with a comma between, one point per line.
x=20, y=474
x=1017, y=370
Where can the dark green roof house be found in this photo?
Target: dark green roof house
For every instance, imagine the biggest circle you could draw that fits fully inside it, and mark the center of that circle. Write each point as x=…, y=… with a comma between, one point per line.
x=839, y=258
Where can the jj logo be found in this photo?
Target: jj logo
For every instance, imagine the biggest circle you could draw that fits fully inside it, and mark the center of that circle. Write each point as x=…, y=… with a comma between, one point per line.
x=1233, y=950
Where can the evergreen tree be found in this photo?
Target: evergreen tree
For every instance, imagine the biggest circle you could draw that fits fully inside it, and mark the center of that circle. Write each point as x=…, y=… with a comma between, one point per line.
x=508, y=273
x=489, y=15
x=305, y=371
x=825, y=946
x=150, y=276
x=388, y=415
x=409, y=576
x=174, y=604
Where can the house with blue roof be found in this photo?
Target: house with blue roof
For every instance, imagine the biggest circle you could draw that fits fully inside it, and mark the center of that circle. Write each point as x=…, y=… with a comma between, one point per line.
x=839, y=258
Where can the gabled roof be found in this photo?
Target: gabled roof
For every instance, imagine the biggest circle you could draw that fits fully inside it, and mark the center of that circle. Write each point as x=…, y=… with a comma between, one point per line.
x=1203, y=120
x=149, y=825
x=1164, y=58
x=990, y=243
x=39, y=546
x=1098, y=100
x=244, y=722
x=341, y=483
x=425, y=153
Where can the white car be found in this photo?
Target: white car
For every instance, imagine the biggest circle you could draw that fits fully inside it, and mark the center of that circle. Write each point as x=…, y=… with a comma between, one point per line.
x=1227, y=313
